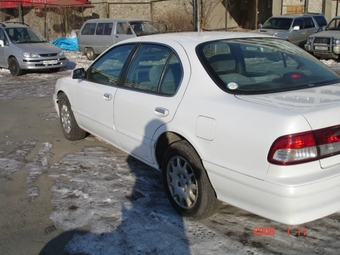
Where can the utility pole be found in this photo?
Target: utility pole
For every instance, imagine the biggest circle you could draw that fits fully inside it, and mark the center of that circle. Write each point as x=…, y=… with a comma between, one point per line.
x=194, y=5
x=21, y=17
x=226, y=15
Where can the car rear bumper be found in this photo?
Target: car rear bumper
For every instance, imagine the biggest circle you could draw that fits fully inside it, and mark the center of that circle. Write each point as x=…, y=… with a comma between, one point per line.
x=289, y=204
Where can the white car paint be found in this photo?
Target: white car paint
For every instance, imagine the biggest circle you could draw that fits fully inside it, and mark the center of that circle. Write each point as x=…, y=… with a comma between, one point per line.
x=232, y=134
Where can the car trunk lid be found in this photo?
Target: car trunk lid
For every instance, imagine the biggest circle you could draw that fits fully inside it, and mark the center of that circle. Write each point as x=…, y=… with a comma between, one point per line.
x=320, y=107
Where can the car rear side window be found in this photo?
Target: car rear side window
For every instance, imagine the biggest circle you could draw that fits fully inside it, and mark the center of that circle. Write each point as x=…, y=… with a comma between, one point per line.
x=89, y=29
x=155, y=68
x=104, y=28
x=320, y=20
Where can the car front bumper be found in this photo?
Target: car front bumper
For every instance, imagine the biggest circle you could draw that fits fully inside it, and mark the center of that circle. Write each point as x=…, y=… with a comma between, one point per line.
x=37, y=64
x=327, y=52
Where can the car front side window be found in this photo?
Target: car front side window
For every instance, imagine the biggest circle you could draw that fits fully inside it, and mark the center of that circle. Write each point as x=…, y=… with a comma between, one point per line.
x=107, y=68
x=122, y=28
x=309, y=23
x=298, y=22
x=3, y=37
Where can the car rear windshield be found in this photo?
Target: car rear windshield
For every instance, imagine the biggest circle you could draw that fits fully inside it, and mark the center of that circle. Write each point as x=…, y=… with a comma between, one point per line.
x=262, y=65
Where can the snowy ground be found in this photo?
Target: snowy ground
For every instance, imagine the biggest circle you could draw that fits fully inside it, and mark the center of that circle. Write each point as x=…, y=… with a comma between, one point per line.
x=119, y=206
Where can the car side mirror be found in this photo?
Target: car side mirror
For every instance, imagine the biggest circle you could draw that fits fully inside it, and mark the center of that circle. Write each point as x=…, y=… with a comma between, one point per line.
x=78, y=73
x=296, y=28
x=260, y=25
x=129, y=31
x=1, y=43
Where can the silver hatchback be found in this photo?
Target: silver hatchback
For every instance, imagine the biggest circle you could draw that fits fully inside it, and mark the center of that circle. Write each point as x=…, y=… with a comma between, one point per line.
x=22, y=48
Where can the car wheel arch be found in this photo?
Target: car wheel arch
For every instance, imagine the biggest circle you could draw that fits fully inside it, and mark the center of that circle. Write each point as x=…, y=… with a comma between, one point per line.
x=60, y=94
x=14, y=66
x=164, y=141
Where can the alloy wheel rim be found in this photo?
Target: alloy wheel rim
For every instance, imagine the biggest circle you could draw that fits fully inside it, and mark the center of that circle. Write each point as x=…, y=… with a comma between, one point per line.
x=182, y=182
x=65, y=119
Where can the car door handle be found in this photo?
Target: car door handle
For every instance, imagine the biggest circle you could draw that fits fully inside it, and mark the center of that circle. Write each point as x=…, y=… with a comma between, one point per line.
x=161, y=112
x=107, y=96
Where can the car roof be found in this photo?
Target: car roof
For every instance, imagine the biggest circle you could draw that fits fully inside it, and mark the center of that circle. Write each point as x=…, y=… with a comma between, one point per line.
x=114, y=20
x=194, y=38
x=292, y=16
x=13, y=24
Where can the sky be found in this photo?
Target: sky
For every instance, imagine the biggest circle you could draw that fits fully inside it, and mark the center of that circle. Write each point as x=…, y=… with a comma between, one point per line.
x=119, y=205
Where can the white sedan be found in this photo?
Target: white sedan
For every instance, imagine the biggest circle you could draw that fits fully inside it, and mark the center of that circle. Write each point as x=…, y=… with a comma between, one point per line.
x=250, y=120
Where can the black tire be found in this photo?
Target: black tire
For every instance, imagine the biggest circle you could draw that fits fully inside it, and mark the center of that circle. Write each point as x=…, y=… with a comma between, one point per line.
x=90, y=54
x=186, y=182
x=55, y=70
x=68, y=123
x=14, y=67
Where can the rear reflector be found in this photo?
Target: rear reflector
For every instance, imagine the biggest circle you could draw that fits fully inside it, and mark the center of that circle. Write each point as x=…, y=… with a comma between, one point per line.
x=304, y=147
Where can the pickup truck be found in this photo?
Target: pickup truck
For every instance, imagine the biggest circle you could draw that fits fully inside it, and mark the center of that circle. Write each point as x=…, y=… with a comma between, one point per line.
x=326, y=44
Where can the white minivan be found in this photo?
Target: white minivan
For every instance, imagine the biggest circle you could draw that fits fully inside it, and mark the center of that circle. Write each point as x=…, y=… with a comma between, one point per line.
x=96, y=35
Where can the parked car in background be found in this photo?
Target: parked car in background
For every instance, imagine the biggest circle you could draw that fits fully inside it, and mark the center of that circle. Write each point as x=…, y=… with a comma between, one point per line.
x=326, y=44
x=96, y=35
x=248, y=119
x=294, y=27
x=22, y=48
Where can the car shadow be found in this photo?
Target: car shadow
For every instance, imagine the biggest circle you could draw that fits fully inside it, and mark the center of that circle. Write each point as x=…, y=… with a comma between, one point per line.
x=148, y=224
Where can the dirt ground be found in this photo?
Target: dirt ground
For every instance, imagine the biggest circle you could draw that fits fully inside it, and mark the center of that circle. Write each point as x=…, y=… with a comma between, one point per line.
x=25, y=224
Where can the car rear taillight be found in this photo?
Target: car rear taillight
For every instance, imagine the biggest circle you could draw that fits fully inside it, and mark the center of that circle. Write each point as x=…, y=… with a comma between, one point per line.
x=306, y=146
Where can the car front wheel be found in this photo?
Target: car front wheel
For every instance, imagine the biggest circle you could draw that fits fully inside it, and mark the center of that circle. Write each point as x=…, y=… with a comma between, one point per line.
x=68, y=123
x=14, y=67
x=187, y=184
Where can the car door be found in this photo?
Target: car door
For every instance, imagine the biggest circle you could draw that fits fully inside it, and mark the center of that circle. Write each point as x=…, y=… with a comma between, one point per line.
x=123, y=32
x=94, y=96
x=148, y=98
x=298, y=36
x=310, y=26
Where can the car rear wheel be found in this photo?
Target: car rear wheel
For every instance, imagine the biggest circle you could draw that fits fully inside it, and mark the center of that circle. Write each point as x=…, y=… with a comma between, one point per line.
x=187, y=184
x=90, y=54
x=68, y=123
x=14, y=67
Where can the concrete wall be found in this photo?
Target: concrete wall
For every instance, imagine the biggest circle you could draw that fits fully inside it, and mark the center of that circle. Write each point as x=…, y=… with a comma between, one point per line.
x=168, y=15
